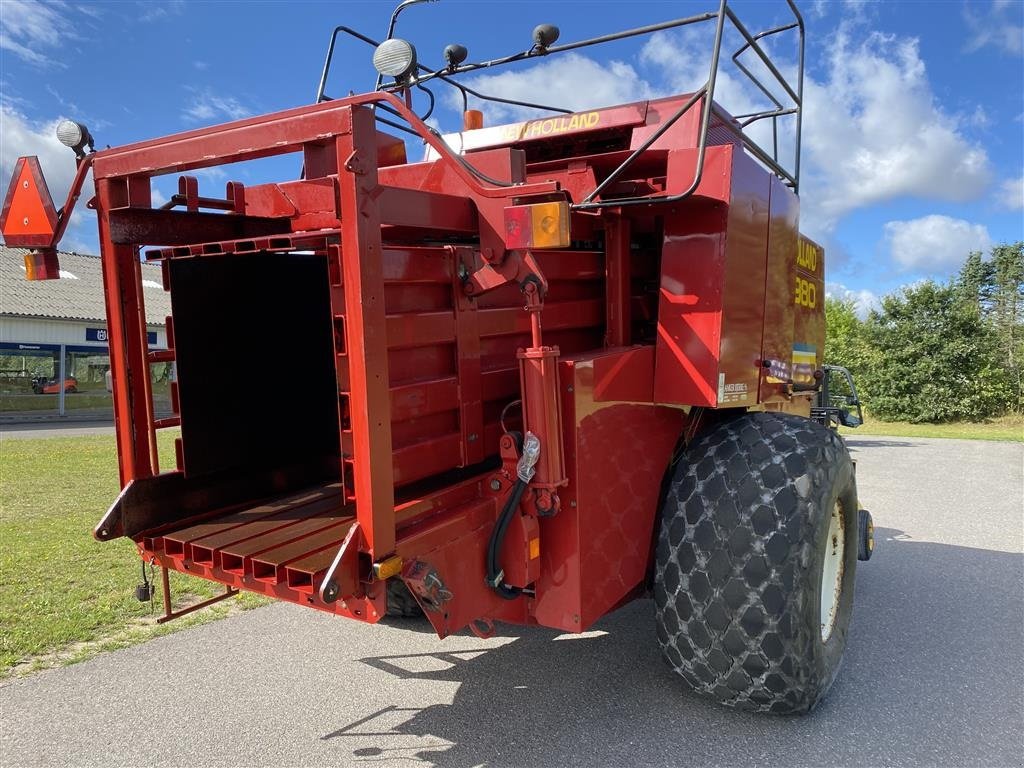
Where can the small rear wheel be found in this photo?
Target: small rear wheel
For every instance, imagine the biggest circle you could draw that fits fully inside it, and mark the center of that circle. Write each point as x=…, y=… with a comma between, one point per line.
x=755, y=562
x=401, y=603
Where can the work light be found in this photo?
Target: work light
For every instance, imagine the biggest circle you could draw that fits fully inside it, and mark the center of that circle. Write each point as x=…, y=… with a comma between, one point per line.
x=544, y=35
x=454, y=55
x=395, y=58
x=74, y=135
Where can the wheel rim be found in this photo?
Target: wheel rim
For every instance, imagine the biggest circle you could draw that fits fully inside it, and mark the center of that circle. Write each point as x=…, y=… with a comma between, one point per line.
x=832, y=572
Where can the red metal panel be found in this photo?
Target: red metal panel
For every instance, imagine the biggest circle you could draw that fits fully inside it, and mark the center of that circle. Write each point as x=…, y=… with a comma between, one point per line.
x=809, y=308
x=710, y=314
x=739, y=370
x=779, y=293
x=596, y=550
x=690, y=307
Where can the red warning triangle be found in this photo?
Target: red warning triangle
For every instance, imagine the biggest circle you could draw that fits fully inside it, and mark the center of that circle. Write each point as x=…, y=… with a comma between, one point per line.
x=29, y=218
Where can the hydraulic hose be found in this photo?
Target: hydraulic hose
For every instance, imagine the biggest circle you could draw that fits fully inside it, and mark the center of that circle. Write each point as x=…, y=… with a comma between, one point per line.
x=495, y=576
x=524, y=473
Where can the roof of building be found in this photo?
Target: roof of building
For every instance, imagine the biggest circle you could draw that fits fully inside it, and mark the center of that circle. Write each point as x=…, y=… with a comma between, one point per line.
x=78, y=295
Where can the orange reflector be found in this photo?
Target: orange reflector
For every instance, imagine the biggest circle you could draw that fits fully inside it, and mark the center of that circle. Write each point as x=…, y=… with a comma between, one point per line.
x=534, y=549
x=541, y=225
x=472, y=120
x=388, y=567
x=42, y=265
x=29, y=218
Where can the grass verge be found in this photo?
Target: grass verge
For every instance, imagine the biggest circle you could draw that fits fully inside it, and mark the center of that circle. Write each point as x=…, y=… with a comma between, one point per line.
x=1010, y=428
x=64, y=596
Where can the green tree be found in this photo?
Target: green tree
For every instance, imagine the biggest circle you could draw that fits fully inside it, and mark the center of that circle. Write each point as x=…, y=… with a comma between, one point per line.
x=994, y=289
x=1006, y=315
x=844, y=337
x=932, y=357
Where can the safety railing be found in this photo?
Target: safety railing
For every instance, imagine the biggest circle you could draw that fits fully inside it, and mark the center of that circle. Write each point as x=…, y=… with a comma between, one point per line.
x=704, y=96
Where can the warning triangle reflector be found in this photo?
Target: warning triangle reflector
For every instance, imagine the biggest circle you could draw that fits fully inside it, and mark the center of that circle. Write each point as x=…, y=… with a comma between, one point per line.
x=29, y=218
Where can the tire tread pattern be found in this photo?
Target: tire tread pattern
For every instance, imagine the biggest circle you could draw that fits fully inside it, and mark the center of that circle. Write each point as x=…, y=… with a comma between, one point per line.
x=731, y=561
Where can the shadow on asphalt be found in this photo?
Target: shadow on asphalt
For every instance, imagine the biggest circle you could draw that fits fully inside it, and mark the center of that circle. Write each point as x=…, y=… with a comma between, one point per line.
x=932, y=675
x=855, y=443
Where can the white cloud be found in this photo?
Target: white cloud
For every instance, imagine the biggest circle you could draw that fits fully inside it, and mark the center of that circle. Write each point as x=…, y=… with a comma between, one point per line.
x=682, y=60
x=863, y=300
x=28, y=27
x=999, y=27
x=934, y=244
x=151, y=11
x=873, y=131
x=873, y=128
x=1011, y=194
x=571, y=81
x=206, y=106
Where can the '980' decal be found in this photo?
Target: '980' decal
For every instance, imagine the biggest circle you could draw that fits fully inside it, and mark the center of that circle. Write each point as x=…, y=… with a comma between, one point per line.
x=806, y=293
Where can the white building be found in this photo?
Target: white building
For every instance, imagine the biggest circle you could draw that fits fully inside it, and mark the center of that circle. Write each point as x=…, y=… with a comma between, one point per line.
x=45, y=323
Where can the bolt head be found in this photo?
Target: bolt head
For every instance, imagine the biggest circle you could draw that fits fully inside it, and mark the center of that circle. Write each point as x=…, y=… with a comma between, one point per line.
x=495, y=484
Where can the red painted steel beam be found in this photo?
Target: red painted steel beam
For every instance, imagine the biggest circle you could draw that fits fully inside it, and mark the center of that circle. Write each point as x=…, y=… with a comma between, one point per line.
x=424, y=398
x=365, y=324
x=555, y=316
x=276, y=134
x=617, y=280
x=420, y=329
x=126, y=321
x=426, y=210
x=152, y=226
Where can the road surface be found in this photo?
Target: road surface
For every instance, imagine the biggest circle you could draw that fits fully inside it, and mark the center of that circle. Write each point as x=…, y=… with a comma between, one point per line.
x=933, y=673
x=31, y=430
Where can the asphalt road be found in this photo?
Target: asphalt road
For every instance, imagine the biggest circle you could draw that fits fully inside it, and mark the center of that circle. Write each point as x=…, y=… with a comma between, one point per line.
x=31, y=430
x=933, y=673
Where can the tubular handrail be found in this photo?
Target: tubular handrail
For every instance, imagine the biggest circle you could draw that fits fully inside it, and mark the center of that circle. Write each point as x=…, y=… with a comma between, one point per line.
x=705, y=95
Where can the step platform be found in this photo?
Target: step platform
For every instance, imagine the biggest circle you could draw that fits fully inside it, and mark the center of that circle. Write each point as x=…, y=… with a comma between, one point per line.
x=275, y=547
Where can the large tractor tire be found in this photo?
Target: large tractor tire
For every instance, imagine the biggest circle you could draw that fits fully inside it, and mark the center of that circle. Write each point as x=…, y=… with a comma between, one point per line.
x=755, y=562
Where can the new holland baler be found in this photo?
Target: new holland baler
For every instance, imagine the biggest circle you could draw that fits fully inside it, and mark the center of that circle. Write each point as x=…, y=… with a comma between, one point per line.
x=554, y=366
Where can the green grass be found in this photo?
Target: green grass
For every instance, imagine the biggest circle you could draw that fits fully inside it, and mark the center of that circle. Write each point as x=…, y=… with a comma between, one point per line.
x=64, y=596
x=72, y=401
x=1009, y=428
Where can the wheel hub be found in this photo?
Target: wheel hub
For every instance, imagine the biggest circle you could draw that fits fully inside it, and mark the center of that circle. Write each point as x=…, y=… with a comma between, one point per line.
x=832, y=572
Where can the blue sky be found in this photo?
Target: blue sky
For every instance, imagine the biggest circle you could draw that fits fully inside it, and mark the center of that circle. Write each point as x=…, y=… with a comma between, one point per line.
x=913, y=128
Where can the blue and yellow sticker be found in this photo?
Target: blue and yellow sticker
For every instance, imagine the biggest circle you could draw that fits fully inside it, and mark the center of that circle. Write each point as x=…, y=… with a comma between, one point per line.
x=805, y=359
x=800, y=369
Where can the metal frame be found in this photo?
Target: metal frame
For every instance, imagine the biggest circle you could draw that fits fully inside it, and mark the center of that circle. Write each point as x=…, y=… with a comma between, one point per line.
x=705, y=95
x=429, y=478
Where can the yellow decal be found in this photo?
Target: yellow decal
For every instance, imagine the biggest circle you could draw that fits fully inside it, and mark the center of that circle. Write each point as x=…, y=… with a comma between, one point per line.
x=808, y=255
x=806, y=293
x=552, y=126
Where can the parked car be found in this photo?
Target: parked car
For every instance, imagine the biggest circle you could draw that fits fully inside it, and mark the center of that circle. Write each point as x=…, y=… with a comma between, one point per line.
x=44, y=386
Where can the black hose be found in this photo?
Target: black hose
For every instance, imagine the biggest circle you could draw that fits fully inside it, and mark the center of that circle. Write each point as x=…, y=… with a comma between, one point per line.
x=494, y=573
x=429, y=111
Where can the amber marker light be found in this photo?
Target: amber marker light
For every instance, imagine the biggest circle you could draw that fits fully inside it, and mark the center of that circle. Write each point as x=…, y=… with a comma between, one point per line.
x=540, y=225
